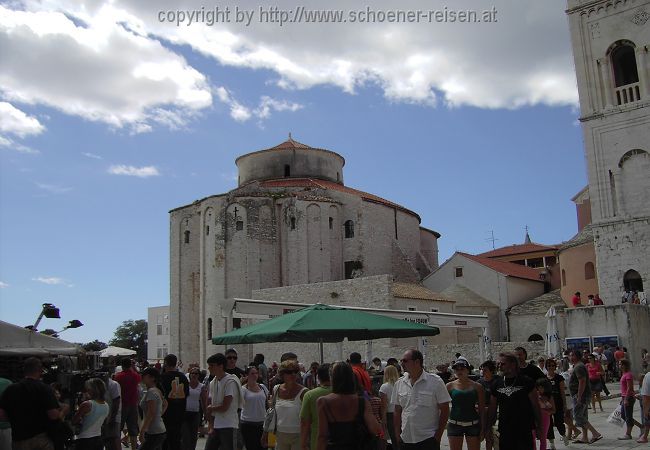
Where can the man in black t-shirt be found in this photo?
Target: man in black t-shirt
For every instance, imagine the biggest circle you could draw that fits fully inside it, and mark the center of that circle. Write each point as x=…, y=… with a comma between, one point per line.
x=530, y=370
x=176, y=388
x=31, y=408
x=231, y=367
x=516, y=399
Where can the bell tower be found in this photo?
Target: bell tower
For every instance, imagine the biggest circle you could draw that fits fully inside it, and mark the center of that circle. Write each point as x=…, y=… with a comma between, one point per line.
x=611, y=42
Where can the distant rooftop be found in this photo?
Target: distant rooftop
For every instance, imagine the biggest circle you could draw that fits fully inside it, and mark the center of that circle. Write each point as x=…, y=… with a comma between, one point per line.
x=518, y=249
x=506, y=268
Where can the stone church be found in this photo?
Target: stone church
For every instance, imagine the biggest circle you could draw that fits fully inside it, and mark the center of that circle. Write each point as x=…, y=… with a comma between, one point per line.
x=291, y=221
x=611, y=40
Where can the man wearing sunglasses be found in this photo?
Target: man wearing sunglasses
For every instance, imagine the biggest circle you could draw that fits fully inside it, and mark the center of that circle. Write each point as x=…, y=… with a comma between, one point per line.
x=231, y=365
x=421, y=404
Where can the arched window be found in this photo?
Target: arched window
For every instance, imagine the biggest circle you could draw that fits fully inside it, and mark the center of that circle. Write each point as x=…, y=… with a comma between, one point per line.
x=535, y=337
x=624, y=64
x=563, y=278
x=209, y=328
x=293, y=223
x=349, y=229
x=186, y=237
x=590, y=272
x=331, y=223
x=632, y=281
x=287, y=170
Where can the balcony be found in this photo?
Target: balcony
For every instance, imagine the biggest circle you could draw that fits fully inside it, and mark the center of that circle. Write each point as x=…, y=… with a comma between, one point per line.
x=628, y=94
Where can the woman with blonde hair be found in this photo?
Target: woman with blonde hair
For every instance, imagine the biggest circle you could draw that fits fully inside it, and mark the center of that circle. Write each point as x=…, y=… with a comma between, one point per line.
x=288, y=401
x=91, y=414
x=391, y=375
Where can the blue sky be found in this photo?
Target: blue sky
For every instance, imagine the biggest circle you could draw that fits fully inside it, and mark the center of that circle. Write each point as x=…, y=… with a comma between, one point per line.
x=109, y=119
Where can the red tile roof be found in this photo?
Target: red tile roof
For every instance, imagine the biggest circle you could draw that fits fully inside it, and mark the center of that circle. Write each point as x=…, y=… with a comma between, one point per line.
x=324, y=184
x=290, y=143
x=507, y=268
x=518, y=249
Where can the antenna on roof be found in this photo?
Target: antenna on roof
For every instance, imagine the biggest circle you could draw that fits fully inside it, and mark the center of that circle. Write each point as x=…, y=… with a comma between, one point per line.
x=492, y=239
x=290, y=136
x=527, y=239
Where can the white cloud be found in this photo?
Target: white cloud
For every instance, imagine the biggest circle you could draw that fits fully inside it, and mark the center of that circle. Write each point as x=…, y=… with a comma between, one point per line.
x=91, y=155
x=142, y=172
x=523, y=58
x=53, y=188
x=242, y=113
x=53, y=281
x=15, y=121
x=3, y=285
x=97, y=69
x=10, y=144
x=120, y=69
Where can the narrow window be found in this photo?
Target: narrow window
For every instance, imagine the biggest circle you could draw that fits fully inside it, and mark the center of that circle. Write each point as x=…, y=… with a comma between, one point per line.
x=459, y=272
x=210, y=328
x=187, y=236
x=590, y=272
x=239, y=225
x=207, y=230
x=331, y=222
x=287, y=170
x=612, y=190
x=236, y=323
x=159, y=330
x=349, y=229
x=338, y=177
x=293, y=223
x=563, y=278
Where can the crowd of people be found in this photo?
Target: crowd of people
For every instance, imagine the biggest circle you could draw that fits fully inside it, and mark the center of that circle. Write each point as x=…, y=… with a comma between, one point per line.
x=346, y=405
x=629, y=296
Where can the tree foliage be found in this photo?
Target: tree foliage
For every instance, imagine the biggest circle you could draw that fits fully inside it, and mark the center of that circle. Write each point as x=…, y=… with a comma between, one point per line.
x=94, y=346
x=132, y=334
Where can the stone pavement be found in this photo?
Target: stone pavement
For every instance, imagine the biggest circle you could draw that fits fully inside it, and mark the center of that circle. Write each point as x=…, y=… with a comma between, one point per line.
x=598, y=419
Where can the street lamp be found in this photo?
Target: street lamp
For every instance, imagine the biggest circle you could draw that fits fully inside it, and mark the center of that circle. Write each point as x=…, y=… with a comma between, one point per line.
x=50, y=311
x=72, y=324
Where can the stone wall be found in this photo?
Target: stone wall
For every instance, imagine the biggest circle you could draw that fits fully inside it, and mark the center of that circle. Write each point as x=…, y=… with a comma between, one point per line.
x=437, y=354
x=631, y=323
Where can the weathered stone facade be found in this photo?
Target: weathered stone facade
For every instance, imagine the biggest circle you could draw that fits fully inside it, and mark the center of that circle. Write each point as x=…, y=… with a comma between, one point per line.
x=610, y=45
x=291, y=221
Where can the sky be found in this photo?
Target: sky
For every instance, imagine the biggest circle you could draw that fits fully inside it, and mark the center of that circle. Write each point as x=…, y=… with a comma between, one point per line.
x=114, y=112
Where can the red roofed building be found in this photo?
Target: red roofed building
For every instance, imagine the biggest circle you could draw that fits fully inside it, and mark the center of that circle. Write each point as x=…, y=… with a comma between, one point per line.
x=291, y=221
x=501, y=283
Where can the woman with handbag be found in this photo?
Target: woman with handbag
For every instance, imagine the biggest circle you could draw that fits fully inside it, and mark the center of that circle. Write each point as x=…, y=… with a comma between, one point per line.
x=343, y=414
x=253, y=411
x=287, y=401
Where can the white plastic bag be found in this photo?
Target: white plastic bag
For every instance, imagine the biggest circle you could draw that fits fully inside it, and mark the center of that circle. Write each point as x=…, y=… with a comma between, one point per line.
x=615, y=417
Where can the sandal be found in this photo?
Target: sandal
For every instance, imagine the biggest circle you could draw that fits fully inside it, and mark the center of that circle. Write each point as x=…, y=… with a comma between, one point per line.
x=597, y=438
x=580, y=441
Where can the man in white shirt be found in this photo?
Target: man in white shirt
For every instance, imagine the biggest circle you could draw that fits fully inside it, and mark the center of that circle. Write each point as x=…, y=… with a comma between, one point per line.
x=421, y=405
x=225, y=399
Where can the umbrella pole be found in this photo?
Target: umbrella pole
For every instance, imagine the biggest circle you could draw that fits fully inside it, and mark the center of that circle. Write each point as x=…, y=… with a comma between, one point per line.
x=320, y=345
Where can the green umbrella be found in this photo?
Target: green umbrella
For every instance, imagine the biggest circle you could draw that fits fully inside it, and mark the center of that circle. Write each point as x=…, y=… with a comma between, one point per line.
x=324, y=323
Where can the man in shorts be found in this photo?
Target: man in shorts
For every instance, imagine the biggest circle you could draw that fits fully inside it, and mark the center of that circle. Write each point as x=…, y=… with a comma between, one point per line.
x=129, y=380
x=581, y=394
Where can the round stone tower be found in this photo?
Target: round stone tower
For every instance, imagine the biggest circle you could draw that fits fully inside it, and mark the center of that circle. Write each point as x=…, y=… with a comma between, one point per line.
x=291, y=159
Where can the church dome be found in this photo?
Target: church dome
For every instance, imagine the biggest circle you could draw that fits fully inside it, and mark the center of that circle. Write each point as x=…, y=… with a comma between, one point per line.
x=290, y=159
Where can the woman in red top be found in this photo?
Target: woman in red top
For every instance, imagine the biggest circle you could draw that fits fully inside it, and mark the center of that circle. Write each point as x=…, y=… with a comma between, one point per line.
x=627, y=399
x=595, y=370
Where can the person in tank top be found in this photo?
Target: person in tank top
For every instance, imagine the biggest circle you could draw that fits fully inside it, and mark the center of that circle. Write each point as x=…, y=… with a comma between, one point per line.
x=340, y=411
x=467, y=415
x=91, y=414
